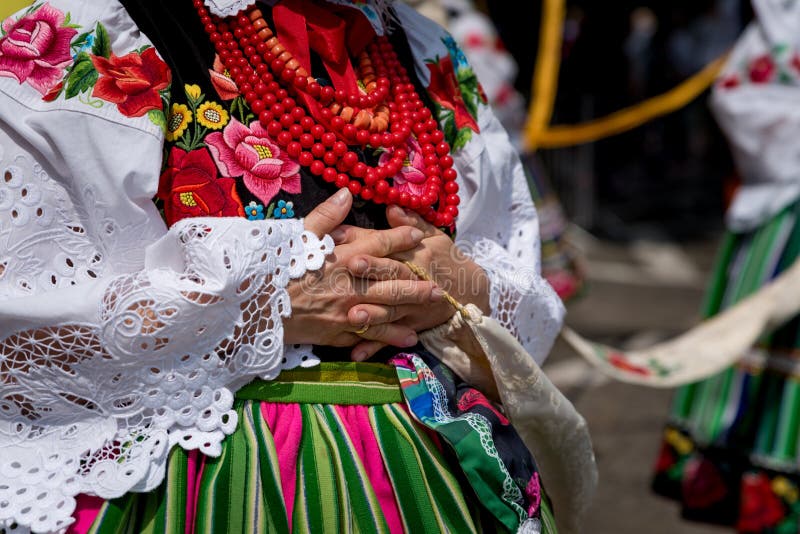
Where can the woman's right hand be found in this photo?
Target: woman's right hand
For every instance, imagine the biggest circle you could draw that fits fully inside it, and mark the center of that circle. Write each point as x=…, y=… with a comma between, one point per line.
x=321, y=299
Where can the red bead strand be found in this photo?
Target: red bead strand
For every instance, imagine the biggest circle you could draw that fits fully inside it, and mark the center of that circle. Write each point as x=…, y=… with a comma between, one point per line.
x=384, y=115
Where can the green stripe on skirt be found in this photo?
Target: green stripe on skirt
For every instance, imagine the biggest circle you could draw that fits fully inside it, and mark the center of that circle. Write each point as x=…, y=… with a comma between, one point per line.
x=242, y=490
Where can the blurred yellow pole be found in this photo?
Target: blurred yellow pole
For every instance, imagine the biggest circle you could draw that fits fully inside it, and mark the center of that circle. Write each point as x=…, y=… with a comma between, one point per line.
x=9, y=7
x=633, y=116
x=545, y=78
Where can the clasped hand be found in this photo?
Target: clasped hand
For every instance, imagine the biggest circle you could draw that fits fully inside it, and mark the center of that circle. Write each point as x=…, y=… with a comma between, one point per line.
x=365, y=282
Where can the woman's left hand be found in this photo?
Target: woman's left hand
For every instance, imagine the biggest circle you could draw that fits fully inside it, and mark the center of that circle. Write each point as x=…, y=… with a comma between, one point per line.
x=450, y=268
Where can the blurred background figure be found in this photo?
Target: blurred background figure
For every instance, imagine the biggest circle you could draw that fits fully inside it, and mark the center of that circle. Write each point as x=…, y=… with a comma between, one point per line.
x=648, y=209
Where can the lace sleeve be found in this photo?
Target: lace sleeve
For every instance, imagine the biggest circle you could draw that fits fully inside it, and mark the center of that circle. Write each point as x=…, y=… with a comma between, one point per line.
x=93, y=406
x=118, y=338
x=498, y=228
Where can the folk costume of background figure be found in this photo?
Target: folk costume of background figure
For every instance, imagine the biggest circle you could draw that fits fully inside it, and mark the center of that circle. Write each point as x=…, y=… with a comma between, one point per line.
x=730, y=453
x=146, y=384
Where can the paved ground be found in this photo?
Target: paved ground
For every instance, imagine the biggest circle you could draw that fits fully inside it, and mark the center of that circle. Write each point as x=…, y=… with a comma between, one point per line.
x=639, y=294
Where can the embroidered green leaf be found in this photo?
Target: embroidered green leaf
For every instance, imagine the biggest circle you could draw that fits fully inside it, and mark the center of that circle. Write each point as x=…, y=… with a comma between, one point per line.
x=158, y=118
x=81, y=40
x=462, y=138
x=448, y=121
x=102, y=43
x=270, y=211
x=142, y=49
x=779, y=49
x=82, y=76
x=68, y=23
x=33, y=8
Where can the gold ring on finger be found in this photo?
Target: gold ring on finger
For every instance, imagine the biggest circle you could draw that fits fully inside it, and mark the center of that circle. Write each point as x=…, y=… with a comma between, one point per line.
x=363, y=330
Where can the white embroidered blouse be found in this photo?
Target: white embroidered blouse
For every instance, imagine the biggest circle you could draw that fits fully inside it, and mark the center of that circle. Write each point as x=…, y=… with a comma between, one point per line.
x=120, y=338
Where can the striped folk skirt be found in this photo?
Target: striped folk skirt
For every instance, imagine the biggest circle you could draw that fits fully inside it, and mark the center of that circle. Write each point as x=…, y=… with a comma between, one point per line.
x=337, y=449
x=730, y=453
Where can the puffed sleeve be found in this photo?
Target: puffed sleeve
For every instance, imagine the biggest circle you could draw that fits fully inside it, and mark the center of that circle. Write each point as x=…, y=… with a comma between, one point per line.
x=757, y=104
x=497, y=225
x=118, y=338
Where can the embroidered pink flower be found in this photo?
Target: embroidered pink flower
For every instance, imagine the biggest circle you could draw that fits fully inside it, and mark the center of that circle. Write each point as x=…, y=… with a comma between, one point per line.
x=35, y=49
x=411, y=178
x=533, y=492
x=250, y=153
x=133, y=82
x=222, y=82
x=762, y=69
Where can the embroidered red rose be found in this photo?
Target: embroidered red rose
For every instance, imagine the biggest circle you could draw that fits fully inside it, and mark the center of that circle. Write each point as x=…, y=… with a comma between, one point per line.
x=132, y=81
x=760, y=508
x=35, y=49
x=222, y=82
x=445, y=91
x=762, y=69
x=250, y=152
x=190, y=187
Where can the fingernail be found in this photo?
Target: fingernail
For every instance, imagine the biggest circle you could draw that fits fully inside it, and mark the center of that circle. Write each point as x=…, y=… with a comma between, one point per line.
x=417, y=234
x=362, y=317
x=361, y=266
x=340, y=198
x=437, y=294
x=337, y=236
x=410, y=341
x=360, y=356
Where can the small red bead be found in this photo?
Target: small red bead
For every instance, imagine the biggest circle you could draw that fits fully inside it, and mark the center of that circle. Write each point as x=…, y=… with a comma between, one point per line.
x=382, y=187
x=317, y=168
x=451, y=188
x=354, y=187
x=362, y=137
x=294, y=149
x=449, y=174
x=339, y=148
x=318, y=149
x=306, y=158
x=329, y=174
x=284, y=138
x=342, y=180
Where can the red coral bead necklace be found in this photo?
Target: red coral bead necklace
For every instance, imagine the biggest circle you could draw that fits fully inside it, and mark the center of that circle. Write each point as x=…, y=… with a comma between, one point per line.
x=319, y=136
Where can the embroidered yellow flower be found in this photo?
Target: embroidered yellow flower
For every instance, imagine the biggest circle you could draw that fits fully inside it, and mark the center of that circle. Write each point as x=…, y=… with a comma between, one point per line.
x=177, y=122
x=212, y=115
x=681, y=443
x=784, y=488
x=192, y=91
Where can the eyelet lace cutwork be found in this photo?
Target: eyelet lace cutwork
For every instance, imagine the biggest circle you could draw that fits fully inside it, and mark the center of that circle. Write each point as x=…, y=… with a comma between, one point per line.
x=95, y=407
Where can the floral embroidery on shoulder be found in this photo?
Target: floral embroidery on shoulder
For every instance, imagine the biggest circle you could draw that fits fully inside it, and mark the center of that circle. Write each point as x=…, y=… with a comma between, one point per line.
x=44, y=49
x=780, y=65
x=456, y=94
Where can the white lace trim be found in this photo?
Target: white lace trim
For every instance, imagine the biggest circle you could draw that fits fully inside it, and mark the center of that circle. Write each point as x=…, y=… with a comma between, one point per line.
x=228, y=8
x=94, y=407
